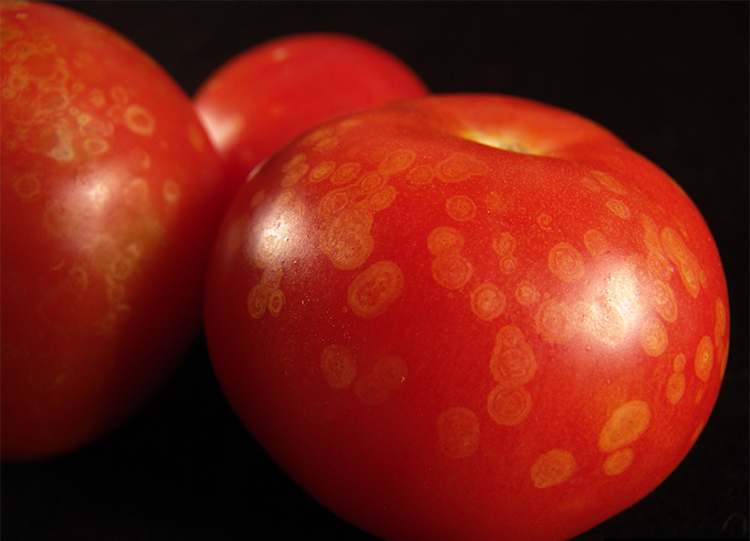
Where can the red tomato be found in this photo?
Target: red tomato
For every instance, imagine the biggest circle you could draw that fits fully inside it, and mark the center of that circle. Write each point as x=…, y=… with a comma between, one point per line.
x=468, y=317
x=271, y=93
x=111, y=195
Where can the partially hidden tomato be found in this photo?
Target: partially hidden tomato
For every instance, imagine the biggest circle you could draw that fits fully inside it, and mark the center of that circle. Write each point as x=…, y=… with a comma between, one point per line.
x=273, y=92
x=468, y=317
x=111, y=196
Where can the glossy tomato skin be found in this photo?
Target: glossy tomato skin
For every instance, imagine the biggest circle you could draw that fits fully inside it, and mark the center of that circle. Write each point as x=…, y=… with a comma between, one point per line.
x=468, y=317
x=111, y=196
x=273, y=92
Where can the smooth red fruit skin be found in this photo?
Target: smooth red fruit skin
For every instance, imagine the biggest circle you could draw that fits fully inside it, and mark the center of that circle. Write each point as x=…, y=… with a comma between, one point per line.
x=273, y=92
x=111, y=197
x=468, y=317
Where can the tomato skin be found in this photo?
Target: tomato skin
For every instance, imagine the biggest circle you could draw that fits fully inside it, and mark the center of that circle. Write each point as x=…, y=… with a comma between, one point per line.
x=268, y=95
x=111, y=195
x=440, y=339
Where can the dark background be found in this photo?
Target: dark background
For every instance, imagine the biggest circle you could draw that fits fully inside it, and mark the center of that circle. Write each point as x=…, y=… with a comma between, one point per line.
x=671, y=79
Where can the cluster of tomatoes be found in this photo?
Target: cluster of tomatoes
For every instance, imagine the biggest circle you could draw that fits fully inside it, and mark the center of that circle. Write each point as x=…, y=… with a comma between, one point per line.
x=472, y=310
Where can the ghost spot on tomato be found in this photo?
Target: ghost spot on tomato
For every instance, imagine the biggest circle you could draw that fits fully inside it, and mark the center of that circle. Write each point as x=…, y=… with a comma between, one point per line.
x=387, y=375
x=526, y=293
x=626, y=424
x=392, y=371
x=512, y=361
x=421, y=175
x=664, y=302
x=370, y=390
x=618, y=208
x=397, y=161
x=721, y=320
x=544, y=221
x=444, y=239
x=460, y=167
x=139, y=120
x=553, y=468
x=294, y=170
x=452, y=270
x=346, y=173
x=595, y=242
x=171, y=192
x=346, y=240
x=686, y=262
x=618, y=462
x=704, y=358
x=504, y=244
x=508, y=406
x=338, y=366
x=382, y=198
x=372, y=181
x=678, y=365
x=554, y=321
x=321, y=171
x=487, y=301
x=458, y=432
x=654, y=339
x=676, y=387
x=27, y=186
x=461, y=208
x=374, y=290
x=609, y=182
x=565, y=262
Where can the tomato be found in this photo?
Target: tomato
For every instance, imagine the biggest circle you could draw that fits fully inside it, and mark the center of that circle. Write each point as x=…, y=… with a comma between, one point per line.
x=111, y=196
x=468, y=317
x=271, y=93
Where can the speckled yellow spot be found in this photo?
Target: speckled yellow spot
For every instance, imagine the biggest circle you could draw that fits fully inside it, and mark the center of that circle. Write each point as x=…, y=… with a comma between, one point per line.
x=663, y=299
x=451, y=270
x=334, y=202
x=678, y=365
x=721, y=320
x=458, y=432
x=553, y=468
x=346, y=173
x=544, y=221
x=375, y=289
x=508, y=406
x=618, y=462
x=338, y=366
x=618, y=208
x=504, y=244
x=686, y=262
x=444, y=239
x=397, y=161
x=554, y=321
x=497, y=203
x=512, y=362
x=258, y=198
x=171, y=192
x=487, y=301
x=371, y=390
x=372, y=181
x=704, y=358
x=421, y=175
x=654, y=339
x=346, y=239
x=675, y=387
x=609, y=182
x=595, y=242
x=460, y=167
x=382, y=198
x=527, y=293
x=321, y=171
x=626, y=424
x=275, y=302
x=565, y=262
x=27, y=186
x=460, y=208
x=257, y=301
x=294, y=171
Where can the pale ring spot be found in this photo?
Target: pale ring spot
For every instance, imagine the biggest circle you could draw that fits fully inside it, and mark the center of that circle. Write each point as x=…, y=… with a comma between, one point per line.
x=552, y=468
x=444, y=239
x=509, y=406
x=618, y=462
x=458, y=432
x=460, y=167
x=374, y=290
x=618, y=208
x=338, y=366
x=675, y=387
x=626, y=424
x=451, y=270
x=654, y=339
x=704, y=358
x=565, y=262
x=487, y=301
x=461, y=208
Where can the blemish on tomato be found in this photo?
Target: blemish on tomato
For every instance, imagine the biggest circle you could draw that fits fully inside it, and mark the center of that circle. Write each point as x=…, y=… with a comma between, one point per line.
x=504, y=244
x=458, y=432
x=704, y=358
x=461, y=208
x=445, y=239
x=392, y=371
x=321, y=171
x=460, y=167
x=370, y=390
x=565, y=262
x=171, y=192
x=139, y=120
x=609, y=182
x=338, y=366
x=508, y=406
x=421, y=175
x=678, y=365
x=675, y=387
x=346, y=173
x=653, y=336
x=346, y=239
x=618, y=208
x=553, y=468
x=618, y=462
x=554, y=321
x=375, y=289
x=526, y=293
x=595, y=242
x=27, y=186
x=686, y=262
x=381, y=198
x=664, y=302
x=512, y=362
x=451, y=270
x=397, y=161
x=626, y=424
x=544, y=221
x=487, y=301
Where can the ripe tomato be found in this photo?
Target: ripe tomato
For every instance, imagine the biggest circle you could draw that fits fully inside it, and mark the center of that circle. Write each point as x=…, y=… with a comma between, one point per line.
x=111, y=192
x=271, y=93
x=468, y=317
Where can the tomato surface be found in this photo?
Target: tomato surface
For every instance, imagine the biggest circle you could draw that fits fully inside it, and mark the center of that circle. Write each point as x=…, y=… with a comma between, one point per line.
x=468, y=317
x=111, y=195
x=271, y=93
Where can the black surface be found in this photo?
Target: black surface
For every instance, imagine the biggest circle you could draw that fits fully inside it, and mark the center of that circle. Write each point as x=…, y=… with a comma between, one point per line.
x=671, y=79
